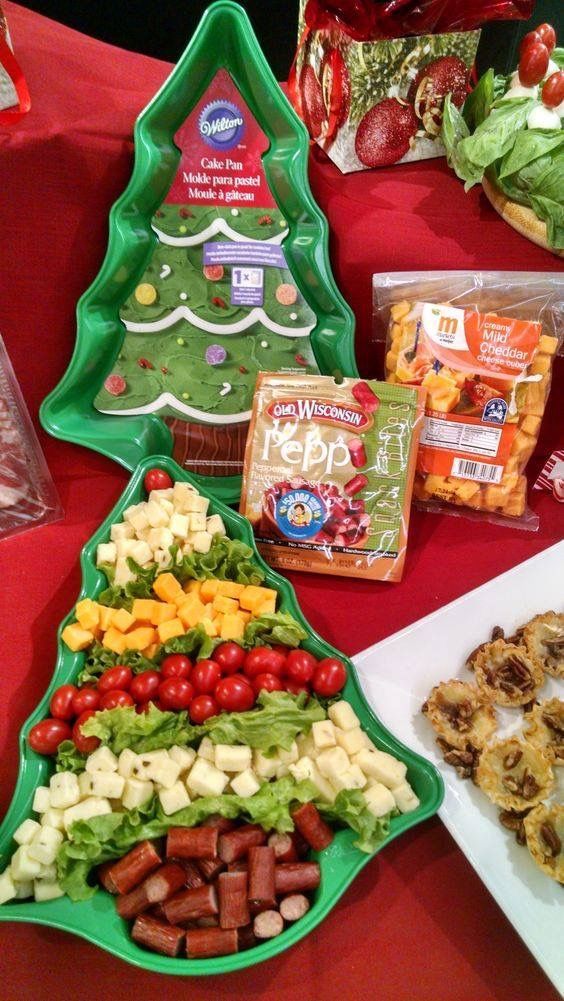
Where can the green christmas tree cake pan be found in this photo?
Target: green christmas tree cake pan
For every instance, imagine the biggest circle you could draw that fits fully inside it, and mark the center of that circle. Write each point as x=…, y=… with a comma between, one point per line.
x=96, y=919
x=217, y=267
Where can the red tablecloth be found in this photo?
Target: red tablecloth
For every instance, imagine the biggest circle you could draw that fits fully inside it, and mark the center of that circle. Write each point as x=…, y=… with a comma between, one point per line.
x=418, y=922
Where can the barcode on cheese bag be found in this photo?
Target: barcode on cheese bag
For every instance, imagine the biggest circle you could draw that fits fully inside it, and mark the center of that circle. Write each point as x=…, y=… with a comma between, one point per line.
x=482, y=471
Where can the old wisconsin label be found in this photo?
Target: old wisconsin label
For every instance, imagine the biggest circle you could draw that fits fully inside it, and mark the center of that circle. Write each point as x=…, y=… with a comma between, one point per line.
x=325, y=411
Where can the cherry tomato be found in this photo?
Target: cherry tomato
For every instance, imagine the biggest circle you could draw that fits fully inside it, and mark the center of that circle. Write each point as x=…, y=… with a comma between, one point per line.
x=295, y=688
x=115, y=677
x=85, y=698
x=143, y=707
x=145, y=685
x=234, y=694
x=300, y=665
x=553, y=90
x=270, y=682
x=176, y=665
x=205, y=676
x=230, y=657
x=202, y=707
x=157, y=479
x=175, y=693
x=115, y=697
x=284, y=650
x=533, y=64
x=263, y=660
x=547, y=35
x=330, y=677
x=84, y=744
x=46, y=736
x=531, y=38
x=61, y=702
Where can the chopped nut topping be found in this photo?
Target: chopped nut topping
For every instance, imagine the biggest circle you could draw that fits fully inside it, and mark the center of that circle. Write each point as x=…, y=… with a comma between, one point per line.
x=526, y=787
x=512, y=759
x=551, y=839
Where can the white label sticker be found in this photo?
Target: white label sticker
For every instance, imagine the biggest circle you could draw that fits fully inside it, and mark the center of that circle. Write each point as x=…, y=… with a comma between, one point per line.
x=456, y=436
x=484, y=472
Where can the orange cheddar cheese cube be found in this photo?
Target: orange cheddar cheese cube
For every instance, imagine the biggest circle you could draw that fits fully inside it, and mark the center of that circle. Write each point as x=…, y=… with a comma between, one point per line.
x=531, y=425
x=230, y=589
x=76, y=637
x=140, y=638
x=143, y=609
x=122, y=620
x=232, y=627
x=192, y=587
x=114, y=640
x=87, y=613
x=163, y=612
x=541, y=365
x=167, y=630
x=245, y=616
x=548, y=345
x=167, y=587
x=150, y=651
x=191, y=611
x=209, y=589
x=226, y=605
x=106, y=616
x=254, y=596
x=210, y=628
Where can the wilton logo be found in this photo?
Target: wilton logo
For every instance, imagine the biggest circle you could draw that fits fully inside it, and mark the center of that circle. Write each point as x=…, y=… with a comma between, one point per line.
x=221, y=125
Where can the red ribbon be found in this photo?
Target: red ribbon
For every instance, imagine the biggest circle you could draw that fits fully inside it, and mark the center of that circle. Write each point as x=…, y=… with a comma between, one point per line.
x=8, y=61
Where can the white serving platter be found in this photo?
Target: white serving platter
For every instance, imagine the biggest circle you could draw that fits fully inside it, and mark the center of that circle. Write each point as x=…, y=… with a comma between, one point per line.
x=398, y=673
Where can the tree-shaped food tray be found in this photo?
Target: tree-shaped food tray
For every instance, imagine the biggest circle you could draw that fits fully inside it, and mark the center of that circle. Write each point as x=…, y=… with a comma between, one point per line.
x=217, y=268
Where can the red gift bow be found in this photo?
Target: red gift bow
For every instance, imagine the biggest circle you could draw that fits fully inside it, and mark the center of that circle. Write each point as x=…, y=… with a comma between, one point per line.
x=9, y=62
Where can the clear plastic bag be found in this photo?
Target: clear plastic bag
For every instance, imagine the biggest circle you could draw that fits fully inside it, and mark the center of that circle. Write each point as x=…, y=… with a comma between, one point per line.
x=27, y=493
x=483, y=345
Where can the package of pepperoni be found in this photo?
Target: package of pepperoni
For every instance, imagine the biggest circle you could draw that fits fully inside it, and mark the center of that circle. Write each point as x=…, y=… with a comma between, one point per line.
x=27, y=494
x=328, y=473
x=482, y=346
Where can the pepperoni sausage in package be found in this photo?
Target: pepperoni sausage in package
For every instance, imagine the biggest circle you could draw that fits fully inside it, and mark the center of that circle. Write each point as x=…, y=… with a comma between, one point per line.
x=482, y=348
x=329, y=472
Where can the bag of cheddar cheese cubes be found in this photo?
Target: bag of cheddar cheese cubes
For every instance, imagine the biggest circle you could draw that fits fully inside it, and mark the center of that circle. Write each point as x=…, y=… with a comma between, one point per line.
x=487, y=375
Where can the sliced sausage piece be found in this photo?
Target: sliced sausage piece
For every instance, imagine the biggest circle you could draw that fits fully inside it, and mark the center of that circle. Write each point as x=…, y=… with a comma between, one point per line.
x=247, y=938
x=202, y=943
x=284, y=847
x=268, y=924
x=192, y=842
x=294, y=906
x=158, y=887
x=262, y=896
x=210, y=921
x=233, y=903
x=192, y=873
x=300, y=844
x=295, y=877
x=132, y=869
x=222, y=824
x=104, y=875
x=210, y=868
x=312, y=827
x=235, y=844
x=158, y=936
x=189, y=905
x=241, y=866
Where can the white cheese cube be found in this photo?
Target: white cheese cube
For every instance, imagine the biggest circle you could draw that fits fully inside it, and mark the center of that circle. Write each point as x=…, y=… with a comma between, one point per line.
x=324, y=734
x=405, y=798
x=265, y=767
x=282, y=769
x=205, y=779
x=306, y=746
x=22, y=866
x=180, y=493
x=165, y=494
x=352, y=741
x=175, y=798
x=121, y=530
x=123, y=575
x=306, y=768
x=136, y=792
x=26, y=832
x=46, y=844
x=85, y=783
x=184, y=757
x=206, y=749
x=7, y=887
x=48, y=872
x=108, y=784
x=53, y=818
x=354, y=778
x=124, y=547
x=23, y=890
x=163, y=773
x=288, y=757
x=41, y=799
x=139, y=520
x=160, y=538
x=101, y=760
x=196, y=504
x=379, y=799
x=63, y=790
x=162, y=558
x=343, y=715
x=91, y=807
x=128, y=761
x=245, y=783
x=156, y=515
x=233, y=757
x=141, y=552
x=381, y=766
x=197, y=522
x=201, y=542
x=333, y=763
x=131, y=510
x=167, y=506
x=179, y=525
x=106, y=553
x=214, y=525
x=44, y=890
